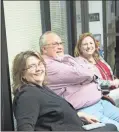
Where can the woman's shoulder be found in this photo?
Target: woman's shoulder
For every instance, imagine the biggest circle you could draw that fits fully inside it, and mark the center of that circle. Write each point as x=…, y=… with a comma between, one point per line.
x=102, y=60
x=81, y=59
x=27, y=91
x=27, y=94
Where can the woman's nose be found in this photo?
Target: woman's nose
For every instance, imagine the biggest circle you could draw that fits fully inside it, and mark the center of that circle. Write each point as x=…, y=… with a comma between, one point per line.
x=88, y=45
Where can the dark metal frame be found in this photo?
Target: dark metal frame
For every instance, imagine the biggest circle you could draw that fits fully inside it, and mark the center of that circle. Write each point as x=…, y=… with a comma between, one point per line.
x=45, y=15
x=71, y=22
x=105, y=35
x=71, y=25
x=7, y=114
x=104, y=29
x=84, y=16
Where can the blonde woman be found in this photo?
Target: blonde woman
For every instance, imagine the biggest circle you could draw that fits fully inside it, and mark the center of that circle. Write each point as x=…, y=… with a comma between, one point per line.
x=86, y=51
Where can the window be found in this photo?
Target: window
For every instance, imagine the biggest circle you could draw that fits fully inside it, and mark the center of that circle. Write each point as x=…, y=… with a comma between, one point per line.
x=59, y=20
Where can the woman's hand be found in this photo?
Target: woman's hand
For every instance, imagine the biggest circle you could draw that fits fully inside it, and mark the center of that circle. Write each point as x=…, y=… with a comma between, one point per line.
x=115, y=83
x=90, y=118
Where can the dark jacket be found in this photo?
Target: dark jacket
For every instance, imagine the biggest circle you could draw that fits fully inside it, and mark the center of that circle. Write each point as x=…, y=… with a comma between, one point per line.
x=37, y=108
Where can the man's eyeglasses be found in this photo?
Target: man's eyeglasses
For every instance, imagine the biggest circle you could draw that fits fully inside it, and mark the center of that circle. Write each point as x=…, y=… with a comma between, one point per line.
x=56, y=44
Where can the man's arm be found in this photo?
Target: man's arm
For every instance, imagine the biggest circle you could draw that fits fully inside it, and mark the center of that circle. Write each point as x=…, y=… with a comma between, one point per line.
x=60, y=73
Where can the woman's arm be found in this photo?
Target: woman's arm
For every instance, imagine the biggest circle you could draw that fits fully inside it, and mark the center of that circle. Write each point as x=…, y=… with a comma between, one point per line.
x=115, y=83
x=26, y=112
x=87, y=117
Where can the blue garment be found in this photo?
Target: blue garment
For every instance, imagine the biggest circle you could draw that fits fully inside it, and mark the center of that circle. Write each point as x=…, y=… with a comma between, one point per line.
x=101, y=52
x=104, y=111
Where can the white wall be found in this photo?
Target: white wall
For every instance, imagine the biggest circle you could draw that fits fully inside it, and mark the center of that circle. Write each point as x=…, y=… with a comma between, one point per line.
x=23, y=26
x=96, y=27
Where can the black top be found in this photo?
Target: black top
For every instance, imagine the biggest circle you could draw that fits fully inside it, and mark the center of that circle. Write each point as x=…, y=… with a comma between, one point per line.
x=37, y=108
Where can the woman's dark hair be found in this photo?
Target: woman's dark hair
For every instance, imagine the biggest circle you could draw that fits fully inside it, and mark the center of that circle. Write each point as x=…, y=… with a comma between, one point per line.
x=19, y=64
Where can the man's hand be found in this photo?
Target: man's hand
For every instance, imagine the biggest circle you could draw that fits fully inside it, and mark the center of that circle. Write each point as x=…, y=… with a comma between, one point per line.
x=89, y=118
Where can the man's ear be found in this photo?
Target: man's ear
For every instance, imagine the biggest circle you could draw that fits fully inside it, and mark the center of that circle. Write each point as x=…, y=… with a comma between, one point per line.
x=44, y=49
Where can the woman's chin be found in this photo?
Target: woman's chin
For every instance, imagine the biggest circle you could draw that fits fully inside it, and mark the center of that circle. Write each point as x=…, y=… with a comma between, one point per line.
x=39, y=81
x=88, y=55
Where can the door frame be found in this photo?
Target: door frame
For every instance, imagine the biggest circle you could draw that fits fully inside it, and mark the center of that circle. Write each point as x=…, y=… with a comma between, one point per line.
x=6, y=100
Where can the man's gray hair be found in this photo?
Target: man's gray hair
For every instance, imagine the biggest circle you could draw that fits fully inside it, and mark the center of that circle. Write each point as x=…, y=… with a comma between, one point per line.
x=42, y=40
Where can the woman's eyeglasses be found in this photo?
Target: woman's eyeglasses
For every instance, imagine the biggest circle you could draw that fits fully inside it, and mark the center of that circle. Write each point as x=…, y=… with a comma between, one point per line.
x=33, y=67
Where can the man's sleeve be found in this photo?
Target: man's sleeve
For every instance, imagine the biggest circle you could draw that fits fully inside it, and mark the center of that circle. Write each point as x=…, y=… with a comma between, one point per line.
x=63, y=74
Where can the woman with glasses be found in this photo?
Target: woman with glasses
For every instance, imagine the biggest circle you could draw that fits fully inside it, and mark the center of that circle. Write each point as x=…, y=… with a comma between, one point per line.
x=36, y=108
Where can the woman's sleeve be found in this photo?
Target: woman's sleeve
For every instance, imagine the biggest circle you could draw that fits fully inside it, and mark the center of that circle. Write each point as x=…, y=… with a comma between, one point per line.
x=26, y=112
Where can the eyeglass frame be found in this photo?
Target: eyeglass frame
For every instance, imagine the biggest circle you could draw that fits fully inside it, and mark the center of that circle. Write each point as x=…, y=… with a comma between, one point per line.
x=55, y=44
x=33, y=66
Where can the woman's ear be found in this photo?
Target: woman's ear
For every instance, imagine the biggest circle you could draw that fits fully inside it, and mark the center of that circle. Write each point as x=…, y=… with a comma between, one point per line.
x=23, y=75
x=23, y=79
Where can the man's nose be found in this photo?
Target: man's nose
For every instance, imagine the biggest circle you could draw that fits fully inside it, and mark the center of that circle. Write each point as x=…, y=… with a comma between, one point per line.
x=60, y=46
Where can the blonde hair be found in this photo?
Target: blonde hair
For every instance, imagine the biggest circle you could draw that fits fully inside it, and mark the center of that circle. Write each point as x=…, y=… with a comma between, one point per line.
x=19, y=64
x=77, y=51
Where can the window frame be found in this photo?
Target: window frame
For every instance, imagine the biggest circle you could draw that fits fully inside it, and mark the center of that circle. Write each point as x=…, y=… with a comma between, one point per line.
x=6, y=99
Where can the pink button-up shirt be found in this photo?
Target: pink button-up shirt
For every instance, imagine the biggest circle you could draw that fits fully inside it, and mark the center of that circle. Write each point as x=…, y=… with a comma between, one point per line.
x=72, y=81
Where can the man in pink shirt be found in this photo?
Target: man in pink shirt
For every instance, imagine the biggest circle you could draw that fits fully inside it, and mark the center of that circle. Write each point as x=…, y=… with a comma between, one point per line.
x=74, y=82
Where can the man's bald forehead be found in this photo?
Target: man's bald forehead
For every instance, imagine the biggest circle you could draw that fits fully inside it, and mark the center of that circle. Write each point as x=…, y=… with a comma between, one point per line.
x=52, y=34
